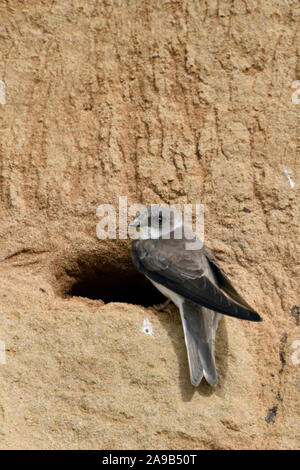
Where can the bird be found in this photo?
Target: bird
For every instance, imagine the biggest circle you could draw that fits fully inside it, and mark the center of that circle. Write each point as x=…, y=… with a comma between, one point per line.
x=191, y=278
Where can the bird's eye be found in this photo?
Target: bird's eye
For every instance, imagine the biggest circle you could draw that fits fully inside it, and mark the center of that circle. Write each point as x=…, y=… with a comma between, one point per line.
x=160, y=219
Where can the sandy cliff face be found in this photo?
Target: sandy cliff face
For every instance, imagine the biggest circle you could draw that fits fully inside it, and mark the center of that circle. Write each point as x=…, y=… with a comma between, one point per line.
x=175, y=102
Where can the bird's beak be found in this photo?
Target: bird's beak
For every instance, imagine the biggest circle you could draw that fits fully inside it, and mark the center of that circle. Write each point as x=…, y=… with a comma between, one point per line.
x=134, y=223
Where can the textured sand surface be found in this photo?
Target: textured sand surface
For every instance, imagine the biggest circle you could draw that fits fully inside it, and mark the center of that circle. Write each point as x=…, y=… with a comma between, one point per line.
x=175, y=102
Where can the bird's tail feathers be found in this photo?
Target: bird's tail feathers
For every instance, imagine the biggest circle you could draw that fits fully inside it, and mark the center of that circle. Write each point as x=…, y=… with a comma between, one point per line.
x=200, y=352
x=208, y=363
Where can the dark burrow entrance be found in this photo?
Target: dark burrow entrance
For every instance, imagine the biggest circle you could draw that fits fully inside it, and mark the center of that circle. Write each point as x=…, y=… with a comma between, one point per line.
x=110, y=282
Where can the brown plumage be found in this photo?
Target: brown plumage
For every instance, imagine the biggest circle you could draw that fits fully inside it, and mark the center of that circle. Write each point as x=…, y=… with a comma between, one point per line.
x=193, y=280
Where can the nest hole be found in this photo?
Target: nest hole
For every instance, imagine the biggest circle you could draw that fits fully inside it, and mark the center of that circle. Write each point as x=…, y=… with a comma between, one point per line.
x=111, y=283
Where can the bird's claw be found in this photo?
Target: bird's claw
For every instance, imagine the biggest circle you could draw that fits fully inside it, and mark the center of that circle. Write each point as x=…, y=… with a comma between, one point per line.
x=160, y=307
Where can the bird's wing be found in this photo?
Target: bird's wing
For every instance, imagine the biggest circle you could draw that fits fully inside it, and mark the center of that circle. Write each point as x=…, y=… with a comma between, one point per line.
x=222, y=280
x=191, y=274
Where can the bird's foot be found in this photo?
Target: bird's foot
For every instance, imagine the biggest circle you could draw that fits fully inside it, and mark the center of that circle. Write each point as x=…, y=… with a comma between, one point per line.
x=160, y=307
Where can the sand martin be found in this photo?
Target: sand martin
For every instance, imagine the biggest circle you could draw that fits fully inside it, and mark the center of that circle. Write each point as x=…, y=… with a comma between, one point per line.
x=191, y=278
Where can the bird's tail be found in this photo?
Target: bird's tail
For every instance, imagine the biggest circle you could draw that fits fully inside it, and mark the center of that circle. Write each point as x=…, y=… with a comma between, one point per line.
x=199, y=328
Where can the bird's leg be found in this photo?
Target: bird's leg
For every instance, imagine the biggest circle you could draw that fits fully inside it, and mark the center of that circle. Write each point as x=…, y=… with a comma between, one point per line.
x=160, y=307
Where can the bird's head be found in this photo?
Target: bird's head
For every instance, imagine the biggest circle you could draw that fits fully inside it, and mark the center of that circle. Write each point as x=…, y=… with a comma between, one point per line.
x=157, y=221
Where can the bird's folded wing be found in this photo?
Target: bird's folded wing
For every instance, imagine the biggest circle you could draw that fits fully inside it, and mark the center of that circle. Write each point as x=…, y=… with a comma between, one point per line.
x=186, y=273
x=223, y=281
